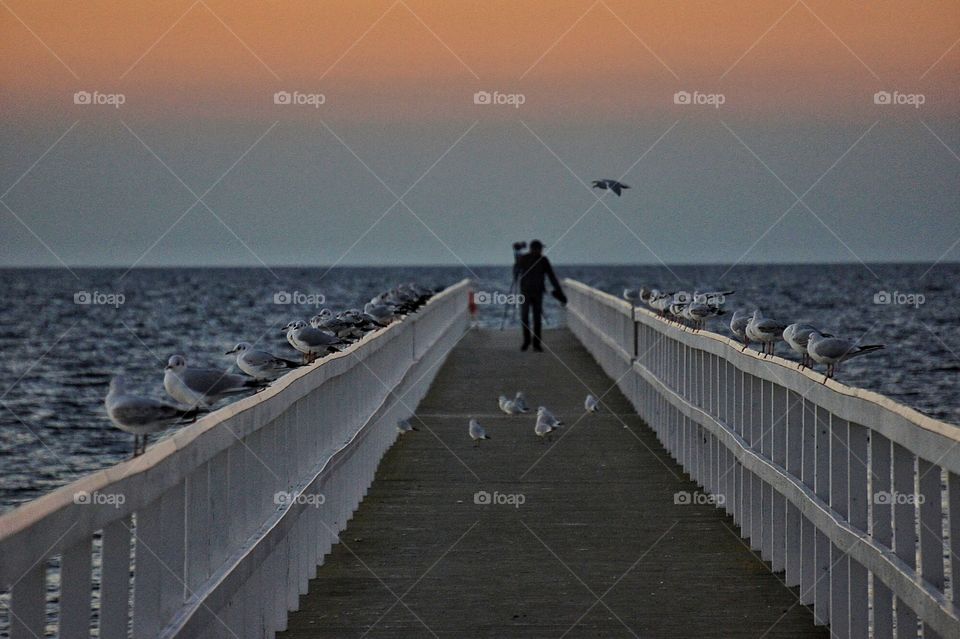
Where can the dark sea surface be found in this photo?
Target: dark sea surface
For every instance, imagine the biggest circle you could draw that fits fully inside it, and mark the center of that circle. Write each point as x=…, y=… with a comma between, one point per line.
x=59, y=355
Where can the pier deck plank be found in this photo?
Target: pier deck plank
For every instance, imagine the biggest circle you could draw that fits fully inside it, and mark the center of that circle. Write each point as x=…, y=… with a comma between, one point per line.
x=597, y=549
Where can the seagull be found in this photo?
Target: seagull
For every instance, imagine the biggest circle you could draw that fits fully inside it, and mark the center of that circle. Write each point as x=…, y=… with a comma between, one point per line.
x=547, y=415
x=797, y=335
x=738, y=326
x=310, y=341
x=260, y=364
x=476, y=432
x=833, y=350
x=520, y=401
x=544, y=426
x=765, y=330
x=404, y=426
x=380, y=312
x=202, y=386
x=591, y=404
x=508, y=406
x=700, y=312
x=142, y=416
x=607, y=183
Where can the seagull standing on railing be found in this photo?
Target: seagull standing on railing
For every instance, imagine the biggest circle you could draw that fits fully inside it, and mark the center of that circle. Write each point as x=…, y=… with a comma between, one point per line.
x=477, y=432
x=260, y=364
x=834, y=350
x=310, y=341
x=550, y=418
x=797, y=336
x=765, y=330
x=738, y=326
x=202, y=386
x=141, y=416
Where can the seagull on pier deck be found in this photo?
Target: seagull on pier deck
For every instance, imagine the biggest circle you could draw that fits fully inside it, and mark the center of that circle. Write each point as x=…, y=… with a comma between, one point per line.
x=508, y=406
x=591, y=404
x=606, y=183
x=476, y=432
x=543, y=412
x=260, y=364
x=141, y=416
x=544, y=426
x=520, y=401
x=833, y=350
x=404, y=426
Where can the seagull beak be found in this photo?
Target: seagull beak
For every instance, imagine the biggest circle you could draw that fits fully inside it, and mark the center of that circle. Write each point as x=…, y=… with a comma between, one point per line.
x=231, y=352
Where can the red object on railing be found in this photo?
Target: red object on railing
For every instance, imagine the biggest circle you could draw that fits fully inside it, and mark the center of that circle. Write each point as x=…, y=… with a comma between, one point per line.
x=471, y=304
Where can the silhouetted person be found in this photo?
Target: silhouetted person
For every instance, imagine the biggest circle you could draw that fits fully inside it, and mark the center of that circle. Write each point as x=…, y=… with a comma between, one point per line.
x=531, y=269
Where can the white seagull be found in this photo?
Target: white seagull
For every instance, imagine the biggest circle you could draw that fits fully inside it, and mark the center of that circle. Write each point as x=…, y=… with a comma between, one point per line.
x=544, y=426
x=508, y=406
x=738, y=326
x=404, y=426
x=591, y=404
x=260, y=364
x=765, y=330
x=141, y=416
x=520, y=401
x=833, y=350
x=202, y=386
x=476, y=432
x=797, y=335
x=310, y=341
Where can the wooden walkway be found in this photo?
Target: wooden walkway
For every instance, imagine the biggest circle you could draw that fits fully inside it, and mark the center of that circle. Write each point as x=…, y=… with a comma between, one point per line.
x=598, y=548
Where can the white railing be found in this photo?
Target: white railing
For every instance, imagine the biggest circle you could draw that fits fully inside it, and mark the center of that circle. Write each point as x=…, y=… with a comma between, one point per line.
x=228, y=518
x=854, y=498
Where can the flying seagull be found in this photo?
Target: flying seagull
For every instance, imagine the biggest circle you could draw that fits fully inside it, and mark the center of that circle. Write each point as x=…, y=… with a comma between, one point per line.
x=607, y=183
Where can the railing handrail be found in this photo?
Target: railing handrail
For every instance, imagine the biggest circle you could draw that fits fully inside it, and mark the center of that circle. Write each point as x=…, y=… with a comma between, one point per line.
x=892, y=418
x=799, y=463
x=54, y=521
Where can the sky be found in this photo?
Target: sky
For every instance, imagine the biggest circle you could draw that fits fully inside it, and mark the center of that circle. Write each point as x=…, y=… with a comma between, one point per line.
x=208, y=132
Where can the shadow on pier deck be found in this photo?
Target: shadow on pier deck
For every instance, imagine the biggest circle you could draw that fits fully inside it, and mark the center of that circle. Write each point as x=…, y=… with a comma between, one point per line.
x=598, y=548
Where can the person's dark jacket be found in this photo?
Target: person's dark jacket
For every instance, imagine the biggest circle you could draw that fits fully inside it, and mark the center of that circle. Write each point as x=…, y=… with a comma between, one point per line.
x=532, y=269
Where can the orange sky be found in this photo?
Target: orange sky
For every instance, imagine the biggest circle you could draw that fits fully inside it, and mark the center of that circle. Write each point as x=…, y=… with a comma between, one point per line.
x=590, y=53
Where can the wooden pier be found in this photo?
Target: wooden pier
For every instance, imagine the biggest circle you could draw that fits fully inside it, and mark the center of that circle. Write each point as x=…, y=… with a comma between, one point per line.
x=599, y=546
